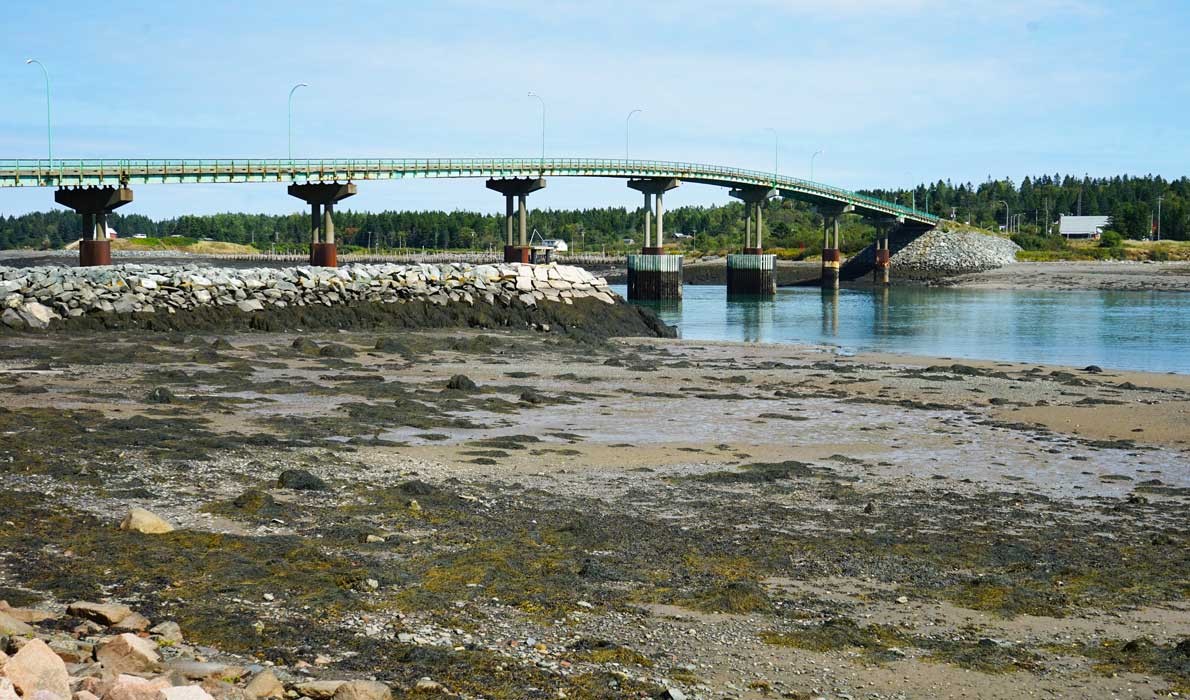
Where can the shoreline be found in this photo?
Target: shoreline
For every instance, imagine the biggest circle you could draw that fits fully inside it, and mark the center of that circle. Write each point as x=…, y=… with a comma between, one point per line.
x=515, y=514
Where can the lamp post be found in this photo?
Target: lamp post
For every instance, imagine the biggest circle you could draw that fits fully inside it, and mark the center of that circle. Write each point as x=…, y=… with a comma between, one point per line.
x=291, y=91
x=628, y=131
x=776, y=153
x=539, y=99
x=1006, y=210
x=816, y=154
x=49, y=132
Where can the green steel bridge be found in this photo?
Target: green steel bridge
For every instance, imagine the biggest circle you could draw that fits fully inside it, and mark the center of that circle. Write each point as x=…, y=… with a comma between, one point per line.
x=67, y=173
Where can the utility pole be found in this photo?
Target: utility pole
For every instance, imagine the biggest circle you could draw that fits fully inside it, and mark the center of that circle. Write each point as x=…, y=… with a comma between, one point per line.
x=1045, y=230
x=1159, y=200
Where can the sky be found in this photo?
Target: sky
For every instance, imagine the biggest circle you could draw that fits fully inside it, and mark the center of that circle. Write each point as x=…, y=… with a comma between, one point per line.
x=893, y=92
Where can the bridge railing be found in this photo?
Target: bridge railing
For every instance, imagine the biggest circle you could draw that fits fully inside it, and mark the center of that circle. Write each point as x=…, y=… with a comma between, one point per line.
x=85, y=171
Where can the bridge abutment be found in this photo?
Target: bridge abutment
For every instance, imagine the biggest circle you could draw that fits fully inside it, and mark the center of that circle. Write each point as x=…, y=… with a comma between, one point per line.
x=653, y=275
x=519, y=189
x=94, y=204
x=322, y=197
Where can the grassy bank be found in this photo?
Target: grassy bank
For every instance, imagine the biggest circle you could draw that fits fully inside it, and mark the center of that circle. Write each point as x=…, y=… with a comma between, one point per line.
x=1058, y=250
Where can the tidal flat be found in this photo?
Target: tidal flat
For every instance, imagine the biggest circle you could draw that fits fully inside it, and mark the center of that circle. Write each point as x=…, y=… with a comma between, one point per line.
x=529, y=515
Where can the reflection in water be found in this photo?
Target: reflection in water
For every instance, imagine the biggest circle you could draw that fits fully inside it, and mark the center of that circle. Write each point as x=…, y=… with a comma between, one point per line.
x=830, y=313
x=1127, y=330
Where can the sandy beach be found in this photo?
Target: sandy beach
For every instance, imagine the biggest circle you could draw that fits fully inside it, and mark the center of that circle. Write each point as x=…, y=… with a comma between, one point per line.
x=575, y=520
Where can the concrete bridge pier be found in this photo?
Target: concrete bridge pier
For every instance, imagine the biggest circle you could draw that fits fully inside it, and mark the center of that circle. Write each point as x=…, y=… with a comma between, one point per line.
x=653, y=275
x=520, y=189
x=752, y=273
x=322, y=197
x=883, y=256
x=832, y=256
x=94, y=204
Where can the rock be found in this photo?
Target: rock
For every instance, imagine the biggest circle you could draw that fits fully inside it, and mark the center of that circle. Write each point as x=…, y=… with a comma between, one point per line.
x=425, y=685
x=141, y=520
x=7, y=691
x=168, y=632
x=672, y=694
x=134, y=623
x=461, y=382
x=36, y=667
x=335, y=350
x=250, y=305
x=183, y=692
x=103, y=613
x=265, y=685
x=85, y=695
x=28, y=615
x=1093, y=369
x=870, y=508
x=318, y=690
x=197, y=670
x=12, y=627
x=305, y=346
x=127, y=687
x=531, y=397
x=160, y=395
x=902, y=599
x=301, y=480
x=127, y=653
x=36, y=315
x=363, y=690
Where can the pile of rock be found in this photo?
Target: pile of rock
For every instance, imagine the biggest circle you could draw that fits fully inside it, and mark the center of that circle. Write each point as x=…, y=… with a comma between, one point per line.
x=36, y=297
x=114, y=653
x=940, y=252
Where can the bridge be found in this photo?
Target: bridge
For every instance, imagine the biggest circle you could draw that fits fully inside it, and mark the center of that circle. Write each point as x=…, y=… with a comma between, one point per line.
x=94, y=188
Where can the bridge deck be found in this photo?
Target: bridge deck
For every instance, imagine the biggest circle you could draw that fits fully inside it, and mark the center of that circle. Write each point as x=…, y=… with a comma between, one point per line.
x=73, y=173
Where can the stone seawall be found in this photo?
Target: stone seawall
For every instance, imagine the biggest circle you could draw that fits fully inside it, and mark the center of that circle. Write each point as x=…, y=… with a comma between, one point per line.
x=190, y=296
x=936, y=254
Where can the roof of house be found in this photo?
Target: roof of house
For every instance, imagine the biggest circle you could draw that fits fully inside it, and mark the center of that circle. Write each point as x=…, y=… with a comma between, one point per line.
x=1082, y=225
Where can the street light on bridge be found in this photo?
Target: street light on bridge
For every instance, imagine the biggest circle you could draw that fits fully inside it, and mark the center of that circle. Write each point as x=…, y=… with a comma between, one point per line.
x=291, y=91
x=542, y=101
x=49, y=134
x=816, y=154
x=628, y=131
x=1006, y=210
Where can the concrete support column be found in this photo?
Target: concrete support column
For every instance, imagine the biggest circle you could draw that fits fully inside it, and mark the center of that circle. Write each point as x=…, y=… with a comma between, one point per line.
x=508, y=216
x=516, y=249
x=322, y=197
x=328, y=225
x=315, y=224
x=747, y=226
x=661, y=220
x=654, y=188
x=883, y=260
x=759, y=226
x=832, y=257
x=648, y=220
x=523, y=221
x=94, y=204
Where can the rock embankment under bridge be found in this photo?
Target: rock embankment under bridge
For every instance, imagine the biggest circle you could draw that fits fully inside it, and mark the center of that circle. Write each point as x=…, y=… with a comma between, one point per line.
x=551, y=297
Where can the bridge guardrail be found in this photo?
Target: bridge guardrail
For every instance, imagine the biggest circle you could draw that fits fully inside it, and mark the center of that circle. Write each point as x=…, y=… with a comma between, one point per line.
x=65, y=172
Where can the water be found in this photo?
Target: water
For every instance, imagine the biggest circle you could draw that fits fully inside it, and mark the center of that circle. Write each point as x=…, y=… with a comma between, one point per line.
x=1147, y=331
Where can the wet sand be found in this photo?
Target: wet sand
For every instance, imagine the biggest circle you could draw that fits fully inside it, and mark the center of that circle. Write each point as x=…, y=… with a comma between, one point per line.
x=733, y=520
x=1116, y=275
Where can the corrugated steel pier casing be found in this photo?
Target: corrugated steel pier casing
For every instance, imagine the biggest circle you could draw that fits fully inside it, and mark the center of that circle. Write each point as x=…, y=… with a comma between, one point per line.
x=654, y=277
x=752, y=275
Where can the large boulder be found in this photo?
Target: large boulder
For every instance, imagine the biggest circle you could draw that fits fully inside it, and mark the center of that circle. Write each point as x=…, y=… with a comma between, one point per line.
x=183, y=692
x=127, y=653
x=363, y=690
x=265, y=686
x=12, y=627
x=141, y=520
x=128, y=687
x=103, y=613
x=37, y=668
x=300, y=480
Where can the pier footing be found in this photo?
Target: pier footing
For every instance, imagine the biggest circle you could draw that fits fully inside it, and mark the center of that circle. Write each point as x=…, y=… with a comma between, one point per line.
x=832, y=259
x=94, y=204
x=517, y=253
x=654, y=277
x=752, y=274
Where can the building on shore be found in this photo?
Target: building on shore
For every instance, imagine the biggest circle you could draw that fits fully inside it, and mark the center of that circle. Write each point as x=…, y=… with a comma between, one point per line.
x=1082, y=226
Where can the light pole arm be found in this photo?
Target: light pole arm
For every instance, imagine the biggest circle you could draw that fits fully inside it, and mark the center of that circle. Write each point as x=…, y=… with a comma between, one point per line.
x=49, y=131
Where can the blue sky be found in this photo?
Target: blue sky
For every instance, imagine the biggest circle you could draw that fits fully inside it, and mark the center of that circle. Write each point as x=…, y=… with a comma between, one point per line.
x=893, y=91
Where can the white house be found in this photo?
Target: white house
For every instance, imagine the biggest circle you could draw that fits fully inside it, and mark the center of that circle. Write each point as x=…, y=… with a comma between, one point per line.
x=1082, y=226
x=557, y=244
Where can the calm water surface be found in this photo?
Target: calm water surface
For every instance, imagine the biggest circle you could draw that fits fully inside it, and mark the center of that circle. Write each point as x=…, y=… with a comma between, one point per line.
x=1123, y=330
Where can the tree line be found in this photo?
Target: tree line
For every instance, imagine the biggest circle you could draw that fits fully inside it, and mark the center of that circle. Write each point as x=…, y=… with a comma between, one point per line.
x=1131, y=202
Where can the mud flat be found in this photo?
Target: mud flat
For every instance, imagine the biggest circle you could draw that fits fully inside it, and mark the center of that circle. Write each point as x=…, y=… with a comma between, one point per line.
x=518, y=514
x=1116, y=275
